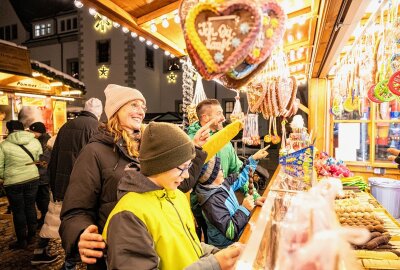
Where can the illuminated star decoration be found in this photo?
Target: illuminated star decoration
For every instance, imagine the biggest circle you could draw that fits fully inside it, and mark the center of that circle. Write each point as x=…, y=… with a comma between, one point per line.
x=103, y=72
x=171, y=77
x=102, y=23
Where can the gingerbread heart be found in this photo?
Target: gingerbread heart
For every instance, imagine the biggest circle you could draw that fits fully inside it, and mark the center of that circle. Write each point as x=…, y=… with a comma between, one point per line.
x=221, y=35
x=232, y=83
x=273, y=29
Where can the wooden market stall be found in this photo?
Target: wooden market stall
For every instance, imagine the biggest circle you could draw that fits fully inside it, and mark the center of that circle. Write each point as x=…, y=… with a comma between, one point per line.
x=319, y=35
x=33, y=91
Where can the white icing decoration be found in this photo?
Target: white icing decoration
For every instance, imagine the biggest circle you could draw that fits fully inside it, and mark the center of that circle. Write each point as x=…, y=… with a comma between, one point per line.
x=219, y=40
x=218, y=57
x=244, y=28
x=235, y=42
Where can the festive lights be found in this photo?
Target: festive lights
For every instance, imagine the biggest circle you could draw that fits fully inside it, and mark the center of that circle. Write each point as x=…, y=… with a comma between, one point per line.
x=153, y=27
x=103, y=72
x=102, y=23
x=134, y=35
x=149, y=43
x=92, y=11
x=78, y=4
x=116, y=25
x=165, y=22
x=177, y=19
x=171, y=77
x=142, y=39
x=167, y=53
x=125, y=30
x=155, y=46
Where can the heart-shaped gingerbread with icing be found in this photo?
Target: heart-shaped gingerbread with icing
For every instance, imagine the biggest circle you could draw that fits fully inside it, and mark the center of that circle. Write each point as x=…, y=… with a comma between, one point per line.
x=273, y=29
x=221, y=35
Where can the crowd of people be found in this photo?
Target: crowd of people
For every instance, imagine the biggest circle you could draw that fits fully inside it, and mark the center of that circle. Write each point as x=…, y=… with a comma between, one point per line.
x=120, y=186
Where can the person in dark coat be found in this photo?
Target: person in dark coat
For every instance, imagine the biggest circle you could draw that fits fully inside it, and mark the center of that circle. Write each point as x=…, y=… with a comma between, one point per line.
x=43, y=195
x=71, y=138
x=92, y=192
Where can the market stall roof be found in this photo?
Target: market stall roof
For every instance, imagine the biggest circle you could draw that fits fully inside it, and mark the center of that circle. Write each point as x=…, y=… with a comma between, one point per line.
x=314, y=27
x=18, y=72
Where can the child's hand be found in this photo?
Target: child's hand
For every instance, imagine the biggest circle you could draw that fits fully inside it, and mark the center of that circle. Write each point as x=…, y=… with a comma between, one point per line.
x=227, y=257
x=248, y=203
x=260, y=201
x=262, y=153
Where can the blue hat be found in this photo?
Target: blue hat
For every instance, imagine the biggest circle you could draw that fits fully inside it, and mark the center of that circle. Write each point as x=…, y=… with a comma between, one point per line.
x=210, y=171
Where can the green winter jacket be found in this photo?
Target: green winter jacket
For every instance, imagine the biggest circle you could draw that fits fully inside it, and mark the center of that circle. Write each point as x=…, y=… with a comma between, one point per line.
x=13, y=158
x=230, y=163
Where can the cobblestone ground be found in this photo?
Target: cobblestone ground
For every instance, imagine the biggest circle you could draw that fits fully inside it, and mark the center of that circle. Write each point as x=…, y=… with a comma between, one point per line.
x=21, y=259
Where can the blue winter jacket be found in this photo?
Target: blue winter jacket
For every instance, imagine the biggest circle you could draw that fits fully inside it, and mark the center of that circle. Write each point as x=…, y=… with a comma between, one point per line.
x=225, y=217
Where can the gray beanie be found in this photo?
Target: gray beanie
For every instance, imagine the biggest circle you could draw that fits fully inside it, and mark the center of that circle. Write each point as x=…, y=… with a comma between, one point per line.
x=94, y=106
x=164, y=146
x=117, y=96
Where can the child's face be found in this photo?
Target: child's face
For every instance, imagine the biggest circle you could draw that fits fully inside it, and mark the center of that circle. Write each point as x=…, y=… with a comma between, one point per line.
x=170, y=180
x=220, y=178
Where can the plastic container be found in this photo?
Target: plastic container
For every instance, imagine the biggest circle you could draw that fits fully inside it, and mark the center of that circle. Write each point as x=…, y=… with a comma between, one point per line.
x=387, y=192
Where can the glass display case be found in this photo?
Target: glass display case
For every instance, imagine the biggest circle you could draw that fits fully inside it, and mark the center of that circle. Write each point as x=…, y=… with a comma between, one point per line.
x=352, y=133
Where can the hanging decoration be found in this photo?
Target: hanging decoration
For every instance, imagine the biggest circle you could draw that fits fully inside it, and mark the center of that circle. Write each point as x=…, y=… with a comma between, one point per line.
x=237, y=113
x=199, y=95
x=231, y=40
x=250, y=130
x=171, y=77
x=188, y=76
x=104, y=71
x=102, y=23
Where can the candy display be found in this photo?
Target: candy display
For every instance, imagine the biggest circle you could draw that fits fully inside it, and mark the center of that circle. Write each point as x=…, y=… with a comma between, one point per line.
x=326, y=165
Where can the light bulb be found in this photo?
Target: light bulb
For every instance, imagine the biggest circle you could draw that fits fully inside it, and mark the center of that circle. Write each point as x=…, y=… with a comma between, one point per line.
x=299, y=35
x=133, y=34
x=167, y=53
x=172, y=56
x=155, y=46
x=149, y=43
x=142, y=39
x=125, y=30
x=290, y=38
x=116, y=25
x=92, y=11
x=177, y=19
x=165, y=22
x=78, y=4
x=153, y=27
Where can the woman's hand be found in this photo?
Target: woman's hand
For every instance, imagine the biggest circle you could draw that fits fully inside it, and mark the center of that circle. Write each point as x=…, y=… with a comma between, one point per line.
x=90, y=245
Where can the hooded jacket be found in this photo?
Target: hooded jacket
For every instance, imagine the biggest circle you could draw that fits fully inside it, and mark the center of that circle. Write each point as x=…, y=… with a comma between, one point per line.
x=159, y=236
x=225, y=218
x=92, y=191
x=71, y=138
x=13, y=158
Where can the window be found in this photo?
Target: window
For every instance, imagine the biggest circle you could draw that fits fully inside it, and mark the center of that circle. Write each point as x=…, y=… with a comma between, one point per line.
x=149, y=58
x=103, y=49
x=171, y=64
x=68, y=24
x=73, y=67
x=14, y=31
x=229, y=104
x=43, y=29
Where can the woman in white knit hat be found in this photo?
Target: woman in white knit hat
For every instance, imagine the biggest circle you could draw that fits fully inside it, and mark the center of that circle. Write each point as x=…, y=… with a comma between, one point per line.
x=92, y=190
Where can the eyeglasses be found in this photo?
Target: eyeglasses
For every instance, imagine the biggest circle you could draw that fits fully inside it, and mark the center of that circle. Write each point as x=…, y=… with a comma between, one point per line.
x=137, y=106
x=185, y=169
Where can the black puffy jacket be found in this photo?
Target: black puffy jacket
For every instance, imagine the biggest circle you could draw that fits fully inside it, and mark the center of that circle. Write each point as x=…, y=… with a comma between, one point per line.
x=71, y=138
